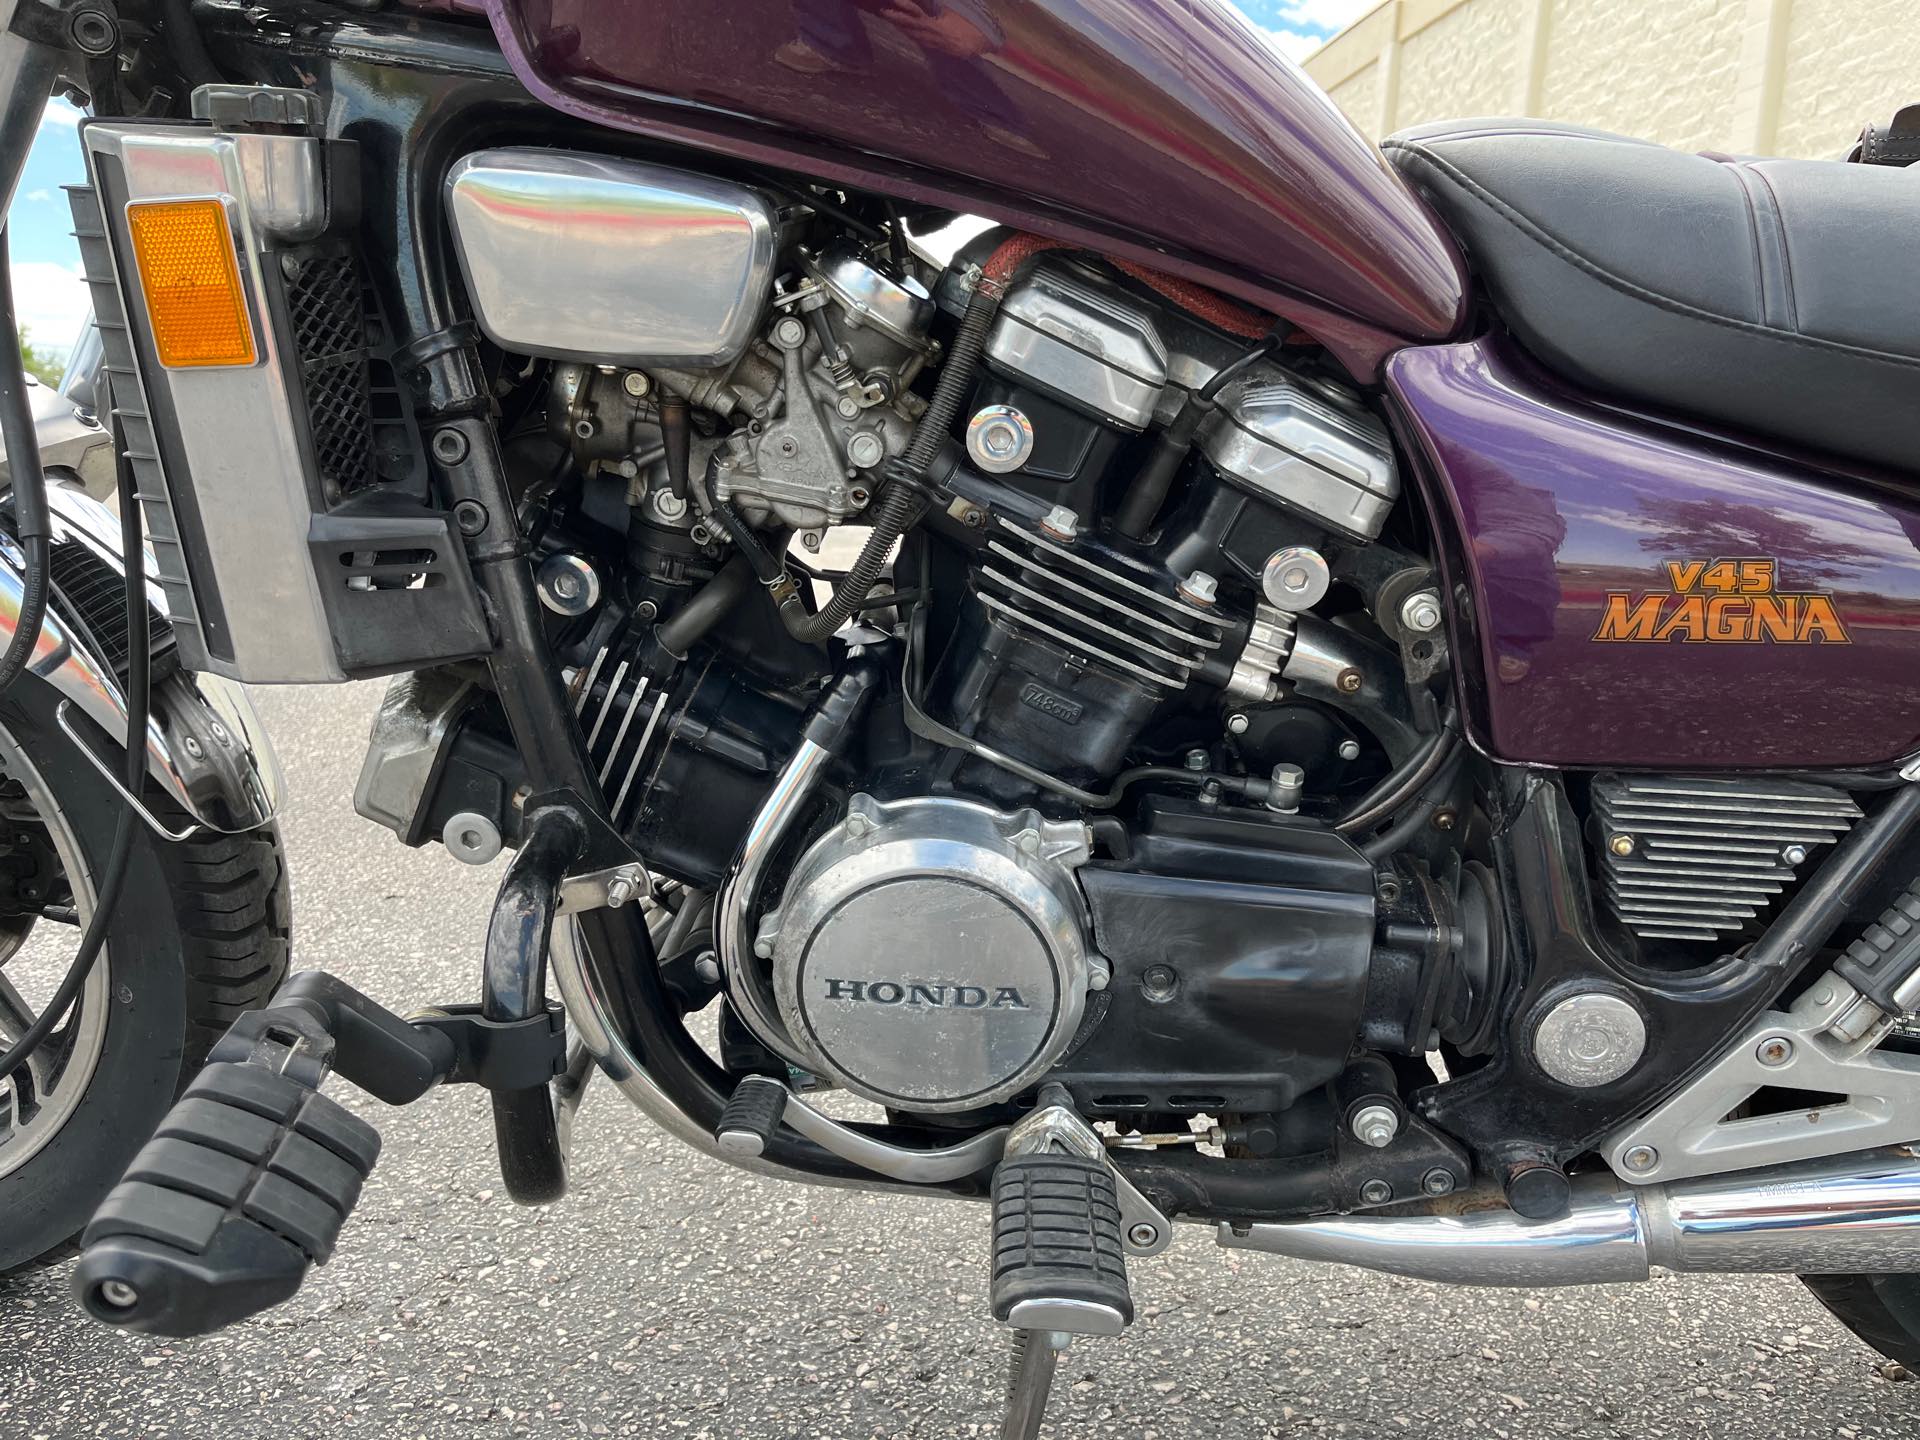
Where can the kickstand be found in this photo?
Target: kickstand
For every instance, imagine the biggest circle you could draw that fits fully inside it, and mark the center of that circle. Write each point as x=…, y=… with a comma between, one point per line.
x=1036, y=1353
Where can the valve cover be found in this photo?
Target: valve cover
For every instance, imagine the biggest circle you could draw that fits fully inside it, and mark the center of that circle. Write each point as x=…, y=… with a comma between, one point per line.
x=932, y=954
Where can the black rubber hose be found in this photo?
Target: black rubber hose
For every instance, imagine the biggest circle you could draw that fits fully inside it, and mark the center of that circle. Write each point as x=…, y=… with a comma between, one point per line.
x=1414, y=817
x=706, y=608
x=676, y=432
x=139, y=684
x=29, y=482
x=186, y=45
x=900, y=506
x=1402, y=784
x=1148, y=492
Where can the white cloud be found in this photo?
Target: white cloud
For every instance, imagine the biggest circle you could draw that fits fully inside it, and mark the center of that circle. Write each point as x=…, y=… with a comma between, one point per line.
x=1324, y=14
x=59, y=112
x=51, y=301
x=1294, y=44
x=41, y=194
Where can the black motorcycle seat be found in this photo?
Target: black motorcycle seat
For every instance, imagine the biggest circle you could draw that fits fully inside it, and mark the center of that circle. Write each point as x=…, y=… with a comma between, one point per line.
x=1780, y=297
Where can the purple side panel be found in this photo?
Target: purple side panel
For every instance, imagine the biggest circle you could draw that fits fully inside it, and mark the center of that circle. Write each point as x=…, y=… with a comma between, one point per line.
x=1163, y=131
x=1555, y=505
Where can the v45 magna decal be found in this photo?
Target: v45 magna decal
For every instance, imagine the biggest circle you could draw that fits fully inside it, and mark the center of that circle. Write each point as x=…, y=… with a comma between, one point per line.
x=1721, y=602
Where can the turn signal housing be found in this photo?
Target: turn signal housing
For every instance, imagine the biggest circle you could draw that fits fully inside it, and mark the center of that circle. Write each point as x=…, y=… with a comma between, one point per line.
x=190, y=279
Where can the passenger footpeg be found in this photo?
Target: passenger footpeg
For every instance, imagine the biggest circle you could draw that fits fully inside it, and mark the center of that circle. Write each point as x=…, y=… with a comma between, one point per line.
x=253, y=1172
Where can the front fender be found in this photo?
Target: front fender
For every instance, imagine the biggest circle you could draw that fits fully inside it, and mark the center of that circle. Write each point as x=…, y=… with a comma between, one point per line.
x=206, y=748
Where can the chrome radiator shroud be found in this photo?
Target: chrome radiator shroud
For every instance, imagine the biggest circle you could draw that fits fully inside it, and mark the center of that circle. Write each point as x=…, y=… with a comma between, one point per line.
x=1695, y=859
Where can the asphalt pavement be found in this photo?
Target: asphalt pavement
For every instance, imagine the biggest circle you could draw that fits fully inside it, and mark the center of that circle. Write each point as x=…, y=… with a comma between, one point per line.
x=671, y=1296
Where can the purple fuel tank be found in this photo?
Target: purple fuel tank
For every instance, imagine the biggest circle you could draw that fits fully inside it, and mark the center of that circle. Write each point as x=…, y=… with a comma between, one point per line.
x=1161, y=131
x=1641, y=599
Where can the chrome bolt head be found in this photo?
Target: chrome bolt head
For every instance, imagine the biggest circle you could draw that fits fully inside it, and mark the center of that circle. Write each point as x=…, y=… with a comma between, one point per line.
x=1775, y=1050
x=1640, y=1159
x=620, y=889
x=999, y=439
x=1295, y=579
x=1376, y=1192
x=1349, y=749
x=1420, y=612
x=1794, y=854
x=1375, y=1125
x=1286, y=787
x=1200, y=587
x=635, y=383
x=1142, y=1235
x=1197, y=760
x=1621, y=845
x=1237, y=724
x=1061, y=523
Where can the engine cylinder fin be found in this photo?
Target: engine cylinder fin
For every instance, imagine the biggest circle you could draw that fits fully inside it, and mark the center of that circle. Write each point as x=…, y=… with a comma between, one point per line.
x=1704, y=858
x=1167, y=603
x=1132, y=613
x=1087, y=621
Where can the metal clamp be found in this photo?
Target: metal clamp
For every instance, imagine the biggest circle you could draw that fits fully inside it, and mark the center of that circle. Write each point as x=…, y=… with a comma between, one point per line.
x=1054, y=1126
x=1805, y=1048
x=611, y=888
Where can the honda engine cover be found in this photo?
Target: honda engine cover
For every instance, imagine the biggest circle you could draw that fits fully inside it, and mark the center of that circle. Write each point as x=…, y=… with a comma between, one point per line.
x=931, y=954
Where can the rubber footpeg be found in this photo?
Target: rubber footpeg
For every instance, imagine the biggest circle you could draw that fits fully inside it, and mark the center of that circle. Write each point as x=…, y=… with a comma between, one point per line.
x=1879, y=963
x=247, y=1183
x=752, y=1116
x=1058, y=1263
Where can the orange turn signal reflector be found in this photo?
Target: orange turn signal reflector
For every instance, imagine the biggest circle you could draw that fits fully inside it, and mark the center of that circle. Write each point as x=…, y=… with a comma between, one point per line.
x=191, y=281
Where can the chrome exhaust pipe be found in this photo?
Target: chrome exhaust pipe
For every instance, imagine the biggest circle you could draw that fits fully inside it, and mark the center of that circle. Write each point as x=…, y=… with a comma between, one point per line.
x=1851, y=1214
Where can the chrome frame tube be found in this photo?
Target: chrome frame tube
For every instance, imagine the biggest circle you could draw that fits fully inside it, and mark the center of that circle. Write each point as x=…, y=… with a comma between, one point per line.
x=27, y=73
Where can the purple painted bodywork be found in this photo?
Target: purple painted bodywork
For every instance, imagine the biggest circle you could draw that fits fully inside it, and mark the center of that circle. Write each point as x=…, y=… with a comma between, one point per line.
x=1160, y=131
x=1554, y=505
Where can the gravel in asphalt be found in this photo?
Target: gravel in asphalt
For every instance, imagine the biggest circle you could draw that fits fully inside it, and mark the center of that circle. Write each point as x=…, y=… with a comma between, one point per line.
x=669, y=1296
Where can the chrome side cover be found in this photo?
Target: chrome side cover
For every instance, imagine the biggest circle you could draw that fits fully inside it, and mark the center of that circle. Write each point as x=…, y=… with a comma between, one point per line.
x=610, y=261
x=233, y=783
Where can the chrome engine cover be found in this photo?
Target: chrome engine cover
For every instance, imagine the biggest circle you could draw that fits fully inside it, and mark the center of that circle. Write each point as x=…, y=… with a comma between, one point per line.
x=933, y=954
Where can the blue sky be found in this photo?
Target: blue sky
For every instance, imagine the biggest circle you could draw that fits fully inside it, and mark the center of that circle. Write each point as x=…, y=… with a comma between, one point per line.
x=51, y=301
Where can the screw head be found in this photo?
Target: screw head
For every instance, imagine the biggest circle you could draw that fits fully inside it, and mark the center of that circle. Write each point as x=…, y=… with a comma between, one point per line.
x=193, y=747
x=1159, y=982
x=1197, y=760
x=1621, y=845
x=1349, y=749
x=865, y=449
x=1348, y=681
x=1237, y=724
x=1445, y=819
x=470, y=516
x=1376, y=1192
x=790, y=333
x=1142, y=1235
x=1438, y=1181
x=118, y=1294
x=1774, y=1050
x=635, y=383
x=1640, y=1159
x=449, y=446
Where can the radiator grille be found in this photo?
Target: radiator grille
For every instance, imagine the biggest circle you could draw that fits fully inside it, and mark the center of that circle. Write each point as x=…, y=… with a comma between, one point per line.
x=1035, y=584
x=330, y=337
x=1697, y=859
x=96, y=596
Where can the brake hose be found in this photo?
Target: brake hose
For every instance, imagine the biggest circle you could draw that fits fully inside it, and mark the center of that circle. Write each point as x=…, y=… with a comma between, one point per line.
x=29, y=483
x=139, y=684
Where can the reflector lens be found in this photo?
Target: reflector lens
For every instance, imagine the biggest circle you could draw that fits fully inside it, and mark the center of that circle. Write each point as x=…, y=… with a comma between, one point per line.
x=191, y=280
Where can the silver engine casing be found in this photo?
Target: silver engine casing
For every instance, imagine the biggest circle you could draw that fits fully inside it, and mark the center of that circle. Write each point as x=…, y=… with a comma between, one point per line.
x=933, y=954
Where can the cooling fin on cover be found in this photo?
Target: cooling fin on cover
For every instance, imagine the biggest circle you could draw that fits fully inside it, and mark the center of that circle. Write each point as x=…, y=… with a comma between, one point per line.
x=1687, y=859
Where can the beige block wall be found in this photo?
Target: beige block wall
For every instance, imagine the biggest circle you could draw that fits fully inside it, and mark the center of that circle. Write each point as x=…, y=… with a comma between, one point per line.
x=1785, y=77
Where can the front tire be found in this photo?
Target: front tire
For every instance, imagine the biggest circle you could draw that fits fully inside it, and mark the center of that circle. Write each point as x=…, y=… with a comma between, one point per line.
x=200, y=934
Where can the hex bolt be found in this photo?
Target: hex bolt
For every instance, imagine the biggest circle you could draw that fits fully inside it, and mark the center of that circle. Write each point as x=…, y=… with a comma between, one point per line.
x=470, y=516
x=1159, y=982
x=848, y=407
x=118, y=1294
x=865, y=449
x=1200, y=587
x=1099, y=973
x=1285, y=788
x=1438, y=1181
x=1621, y=845
x=620, y=889
x=790, y=333
x=1237, y=724
x=1375, y=1125
x=706, y=965
x=1775, y=1050
x=1376, y=1192
x=1027, y=842
x=1420, y=612
x=858, y=824
x=1348, y=681
x=635, y=383
x=1142, y=1235
x=1349, y=749
x=1640, y=1159
x=449, y=446
x=1197, y=760
x=1794, y=854
x=1061, y=523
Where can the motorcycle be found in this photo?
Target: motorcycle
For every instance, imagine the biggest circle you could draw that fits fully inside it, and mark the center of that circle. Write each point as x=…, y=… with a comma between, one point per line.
x=1354, y=696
